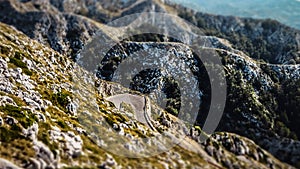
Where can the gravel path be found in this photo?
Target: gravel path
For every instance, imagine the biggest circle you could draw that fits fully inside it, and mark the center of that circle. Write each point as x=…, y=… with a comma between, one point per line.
x=140, y=105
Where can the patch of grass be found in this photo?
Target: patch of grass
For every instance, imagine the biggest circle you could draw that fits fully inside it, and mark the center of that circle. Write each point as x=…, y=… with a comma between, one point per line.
x=60, y=99
x=63, y=125
x=25, y=118
x=19, y=63
x=91, y=146
x=17, y=100
x=61, y=117
x=8, y=134
x=19, y=151
x=4, y=50
x=95, y=150
x=27, y=72
x=114, y=118
x=137, y=132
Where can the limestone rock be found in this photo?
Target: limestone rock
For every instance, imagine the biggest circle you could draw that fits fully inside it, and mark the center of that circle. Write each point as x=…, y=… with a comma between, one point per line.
x=7, y=164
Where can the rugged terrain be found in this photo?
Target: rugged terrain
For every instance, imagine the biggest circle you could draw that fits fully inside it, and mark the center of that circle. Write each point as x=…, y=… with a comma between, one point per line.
x=56, y=114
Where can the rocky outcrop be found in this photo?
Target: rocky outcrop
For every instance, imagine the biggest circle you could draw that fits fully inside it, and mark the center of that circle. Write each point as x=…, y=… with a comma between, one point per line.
x=40, y=20
x=7, y=164
x=267, y=39
x=67, y=28
x=254, y=118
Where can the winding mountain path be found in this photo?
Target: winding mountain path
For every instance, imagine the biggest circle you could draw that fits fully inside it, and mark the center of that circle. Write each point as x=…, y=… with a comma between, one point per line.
x=140, y=104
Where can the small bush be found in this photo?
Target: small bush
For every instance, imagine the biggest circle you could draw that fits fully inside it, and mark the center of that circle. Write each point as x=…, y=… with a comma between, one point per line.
x=62, y=124
x=61, y=99
x=27, y=71
x=18, y=62
x=8, y=135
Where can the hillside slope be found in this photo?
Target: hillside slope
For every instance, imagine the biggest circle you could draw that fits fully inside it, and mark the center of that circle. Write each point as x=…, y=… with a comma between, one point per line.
x=42, y=130
x=58, y=113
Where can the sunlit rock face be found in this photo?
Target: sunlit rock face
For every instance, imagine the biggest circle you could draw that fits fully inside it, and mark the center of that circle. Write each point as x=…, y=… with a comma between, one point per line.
x=169, y=73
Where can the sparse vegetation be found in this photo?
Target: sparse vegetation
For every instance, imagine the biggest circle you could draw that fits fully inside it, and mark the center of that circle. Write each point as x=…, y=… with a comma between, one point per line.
x=247, y=39
x=17, y=149
x=19, y=63
x=8, y=134
x=61, y=99
x=43, y=135
x=248, y=109
x=24, y=117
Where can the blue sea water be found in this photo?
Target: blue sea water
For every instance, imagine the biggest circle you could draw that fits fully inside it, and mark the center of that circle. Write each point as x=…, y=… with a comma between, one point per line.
x=285, y=11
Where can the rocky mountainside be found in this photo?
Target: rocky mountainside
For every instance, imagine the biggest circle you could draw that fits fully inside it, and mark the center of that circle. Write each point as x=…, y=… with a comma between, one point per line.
x=56, y=114
x=284, y=11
